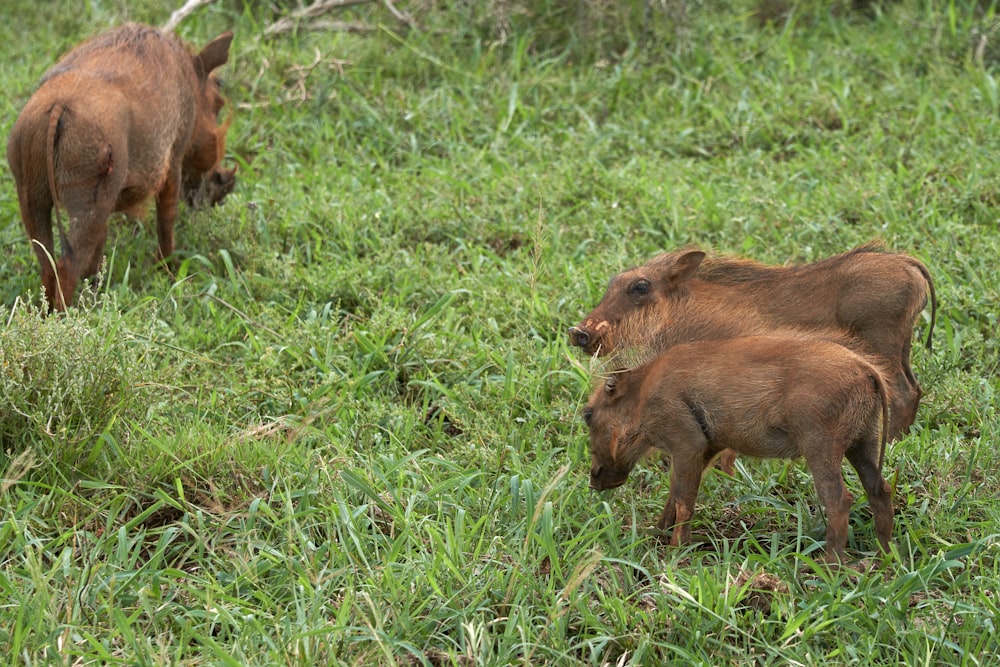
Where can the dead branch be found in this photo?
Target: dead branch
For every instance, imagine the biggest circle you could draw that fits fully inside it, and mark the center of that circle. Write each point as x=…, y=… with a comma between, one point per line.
x=400, y=16
x=304, y=18
x=179, y=15
x=318, y=8
x=288, y=24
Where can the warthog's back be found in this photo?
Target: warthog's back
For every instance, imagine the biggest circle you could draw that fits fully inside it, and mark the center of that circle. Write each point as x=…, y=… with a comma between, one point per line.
x=151, y=71
x=758, y=394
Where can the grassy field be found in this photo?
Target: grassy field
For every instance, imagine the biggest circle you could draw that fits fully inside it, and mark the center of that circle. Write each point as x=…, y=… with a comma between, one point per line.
x=346, y=429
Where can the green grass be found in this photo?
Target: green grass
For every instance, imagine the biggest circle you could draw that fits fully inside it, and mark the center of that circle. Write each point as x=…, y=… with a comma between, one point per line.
x=346, y=429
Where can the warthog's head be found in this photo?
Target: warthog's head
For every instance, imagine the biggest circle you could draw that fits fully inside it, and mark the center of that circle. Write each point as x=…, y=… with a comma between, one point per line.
x=205, y=181
x=615, y=442
x=642, y=294
x=209, y=189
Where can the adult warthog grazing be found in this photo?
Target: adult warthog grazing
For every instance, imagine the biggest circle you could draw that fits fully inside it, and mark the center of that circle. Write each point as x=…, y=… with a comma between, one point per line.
x=866, y=299
x=771, y=397
x=125, y=116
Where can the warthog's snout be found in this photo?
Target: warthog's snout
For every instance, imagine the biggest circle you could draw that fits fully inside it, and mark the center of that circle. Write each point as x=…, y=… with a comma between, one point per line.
x=211, y=189
x=578, y=337
x=602, y=479
x=222, y=183
x=589, y=335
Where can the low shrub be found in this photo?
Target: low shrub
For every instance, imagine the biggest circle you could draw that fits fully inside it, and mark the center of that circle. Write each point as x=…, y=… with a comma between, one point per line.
x=66, y=379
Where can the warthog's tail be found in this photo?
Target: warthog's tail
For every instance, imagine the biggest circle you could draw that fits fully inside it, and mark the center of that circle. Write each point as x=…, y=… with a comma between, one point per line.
x=883, y=395
x=55, y=115
x=933, y=296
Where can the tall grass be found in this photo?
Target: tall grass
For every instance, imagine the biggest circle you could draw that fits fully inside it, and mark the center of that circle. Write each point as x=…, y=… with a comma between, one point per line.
x=345, y=429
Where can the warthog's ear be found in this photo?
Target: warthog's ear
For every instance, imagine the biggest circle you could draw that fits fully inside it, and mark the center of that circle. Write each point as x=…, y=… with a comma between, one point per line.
x=685, y=267
x=616, y=385
x=215, y=54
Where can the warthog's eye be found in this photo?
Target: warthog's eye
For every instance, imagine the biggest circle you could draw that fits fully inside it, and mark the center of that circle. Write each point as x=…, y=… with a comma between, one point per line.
x=640, y=287
x=587, y=414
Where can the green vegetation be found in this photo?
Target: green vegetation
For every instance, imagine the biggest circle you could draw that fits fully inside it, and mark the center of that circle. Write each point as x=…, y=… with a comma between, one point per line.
x=346, y=429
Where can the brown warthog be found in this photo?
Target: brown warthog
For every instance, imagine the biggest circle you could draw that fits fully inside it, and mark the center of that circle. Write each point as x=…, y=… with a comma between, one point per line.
x=765, y=396
x=124, y=116
x=870, y=298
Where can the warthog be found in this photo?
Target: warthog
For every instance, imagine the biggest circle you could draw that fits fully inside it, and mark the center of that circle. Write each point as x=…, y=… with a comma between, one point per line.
x=124, y=116
x=771, y=397
x=869, y=298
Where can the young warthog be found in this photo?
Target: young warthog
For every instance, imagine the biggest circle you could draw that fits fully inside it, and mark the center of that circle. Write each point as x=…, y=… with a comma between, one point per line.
x=772, y=397
x=126, y=115
x=871, y=299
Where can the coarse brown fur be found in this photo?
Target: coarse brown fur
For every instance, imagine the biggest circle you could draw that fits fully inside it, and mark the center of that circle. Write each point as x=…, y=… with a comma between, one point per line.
x=869, y=298
x=763, y=396
x=125, y=116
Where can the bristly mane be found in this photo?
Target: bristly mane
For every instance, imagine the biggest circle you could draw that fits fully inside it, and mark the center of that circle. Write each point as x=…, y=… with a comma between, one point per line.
x=130, y=38
x=734, y=270
x=622, y=361
x=128, y=35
